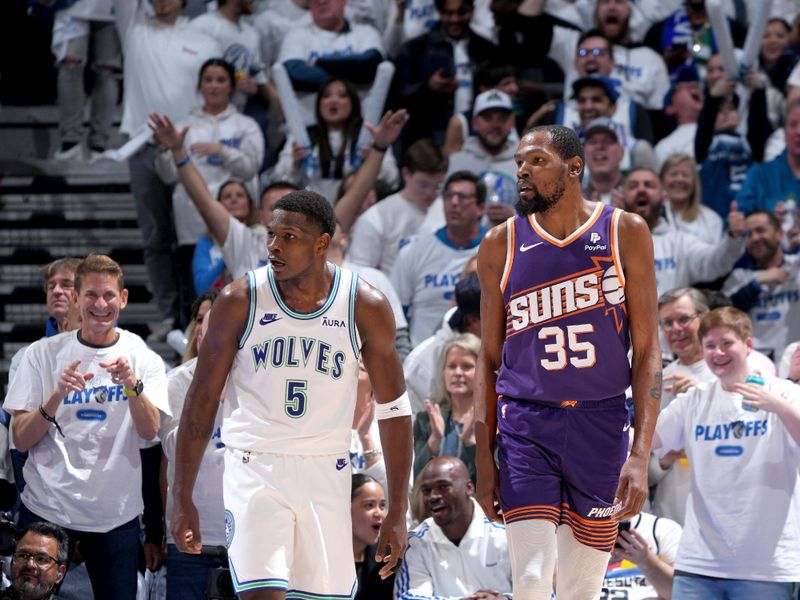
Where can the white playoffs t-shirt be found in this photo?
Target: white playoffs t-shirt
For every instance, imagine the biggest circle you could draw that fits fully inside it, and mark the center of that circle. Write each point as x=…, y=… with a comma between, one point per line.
x=743, y=511
x=207, y=493
x=90, y=479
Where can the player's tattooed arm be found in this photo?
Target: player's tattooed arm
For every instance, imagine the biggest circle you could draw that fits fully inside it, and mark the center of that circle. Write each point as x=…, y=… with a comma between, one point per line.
x=658, y=386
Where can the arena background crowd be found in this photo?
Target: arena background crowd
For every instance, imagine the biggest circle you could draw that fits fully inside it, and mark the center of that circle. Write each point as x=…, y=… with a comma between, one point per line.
x=687, y=117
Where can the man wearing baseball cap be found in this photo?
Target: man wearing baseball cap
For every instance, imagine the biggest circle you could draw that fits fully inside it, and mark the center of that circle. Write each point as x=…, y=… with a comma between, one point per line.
x=490, y=153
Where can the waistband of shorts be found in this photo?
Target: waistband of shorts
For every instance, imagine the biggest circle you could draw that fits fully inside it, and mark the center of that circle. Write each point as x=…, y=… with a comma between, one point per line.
x=231, y=449
x=604, y=404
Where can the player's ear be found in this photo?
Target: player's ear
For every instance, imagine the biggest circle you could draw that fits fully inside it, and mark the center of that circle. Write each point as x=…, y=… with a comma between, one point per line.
x=323, y=242
x=575, y=167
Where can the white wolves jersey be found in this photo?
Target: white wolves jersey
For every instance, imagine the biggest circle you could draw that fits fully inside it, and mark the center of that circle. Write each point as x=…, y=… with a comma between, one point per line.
x=292, y=386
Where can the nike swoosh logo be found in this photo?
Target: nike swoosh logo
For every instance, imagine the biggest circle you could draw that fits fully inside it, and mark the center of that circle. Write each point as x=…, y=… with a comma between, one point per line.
x=269, y=318
x=524, y=248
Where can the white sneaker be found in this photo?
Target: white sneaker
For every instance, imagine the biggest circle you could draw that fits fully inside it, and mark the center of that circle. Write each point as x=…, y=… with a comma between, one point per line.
x=74, y=153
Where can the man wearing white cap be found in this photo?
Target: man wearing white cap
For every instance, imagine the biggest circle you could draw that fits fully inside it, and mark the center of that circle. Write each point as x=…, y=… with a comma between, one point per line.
x=490, y=153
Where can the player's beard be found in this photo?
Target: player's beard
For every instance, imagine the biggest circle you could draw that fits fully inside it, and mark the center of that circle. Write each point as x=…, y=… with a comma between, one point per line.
x=540, y=202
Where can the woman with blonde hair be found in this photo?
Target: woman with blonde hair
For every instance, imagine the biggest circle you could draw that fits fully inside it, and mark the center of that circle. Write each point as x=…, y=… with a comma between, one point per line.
x=446, y=428
x=684, y=208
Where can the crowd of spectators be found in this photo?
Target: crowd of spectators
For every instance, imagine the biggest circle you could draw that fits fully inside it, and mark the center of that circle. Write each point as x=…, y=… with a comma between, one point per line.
x=708, y=155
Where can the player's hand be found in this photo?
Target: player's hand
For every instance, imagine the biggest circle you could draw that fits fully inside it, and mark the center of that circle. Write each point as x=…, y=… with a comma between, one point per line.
x=388, y=129
x=632, y=489
x=677, y=384
x=186, y=528
x=154, y=556
x=121, y=372
x=164, y=132
x=487, y=492
x=393, y=539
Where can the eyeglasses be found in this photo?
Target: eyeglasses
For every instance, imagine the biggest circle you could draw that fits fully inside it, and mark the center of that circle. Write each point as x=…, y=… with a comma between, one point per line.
x=459, y=196
x=41, y=559
x=681, y=321
x=584, y=52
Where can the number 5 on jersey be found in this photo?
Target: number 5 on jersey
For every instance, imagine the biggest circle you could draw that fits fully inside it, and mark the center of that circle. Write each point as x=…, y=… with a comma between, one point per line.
x=295, y=403
x=583, y=354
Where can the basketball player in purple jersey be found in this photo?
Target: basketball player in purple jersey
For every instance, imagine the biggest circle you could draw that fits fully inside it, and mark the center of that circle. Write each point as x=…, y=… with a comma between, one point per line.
x=567, y=286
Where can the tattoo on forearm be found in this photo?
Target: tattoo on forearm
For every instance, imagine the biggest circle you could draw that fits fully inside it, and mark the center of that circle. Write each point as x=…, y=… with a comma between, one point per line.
x=199, y=431
x=655, y=391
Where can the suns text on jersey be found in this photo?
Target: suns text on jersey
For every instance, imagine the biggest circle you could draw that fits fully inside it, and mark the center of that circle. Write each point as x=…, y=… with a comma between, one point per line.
x=556, y=300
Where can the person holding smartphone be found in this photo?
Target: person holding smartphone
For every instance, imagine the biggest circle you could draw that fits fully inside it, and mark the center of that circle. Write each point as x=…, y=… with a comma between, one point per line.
x=642, y=558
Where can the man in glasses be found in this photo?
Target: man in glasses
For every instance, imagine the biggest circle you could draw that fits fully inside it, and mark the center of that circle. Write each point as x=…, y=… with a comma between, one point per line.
x=428, y=268
x=741, y=435
x=38, y=563
x=679, y=314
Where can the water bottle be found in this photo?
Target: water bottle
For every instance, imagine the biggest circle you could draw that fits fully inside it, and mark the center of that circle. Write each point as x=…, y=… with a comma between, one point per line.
x=757, y=380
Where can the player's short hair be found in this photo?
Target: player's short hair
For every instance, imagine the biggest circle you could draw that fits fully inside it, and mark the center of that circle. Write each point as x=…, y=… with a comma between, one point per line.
x=98, y=263
x=51, y=269
x=358, y=481
x=564, y=140
x=425, y=156
x=697, y=297
x=50, y=530
x=729, y=318
x=773, y=220
x=311, y=204
x=480, y=187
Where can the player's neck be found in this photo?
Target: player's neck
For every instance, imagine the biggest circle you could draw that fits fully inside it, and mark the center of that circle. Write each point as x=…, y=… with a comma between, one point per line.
x=308, y=291
x=566, y=217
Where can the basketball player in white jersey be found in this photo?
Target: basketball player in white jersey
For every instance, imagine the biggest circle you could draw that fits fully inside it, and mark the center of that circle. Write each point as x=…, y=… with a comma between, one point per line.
x=290, y=335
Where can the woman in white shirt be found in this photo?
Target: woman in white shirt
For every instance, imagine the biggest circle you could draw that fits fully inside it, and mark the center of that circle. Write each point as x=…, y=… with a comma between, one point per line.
x=334, y=153
x=684, y=206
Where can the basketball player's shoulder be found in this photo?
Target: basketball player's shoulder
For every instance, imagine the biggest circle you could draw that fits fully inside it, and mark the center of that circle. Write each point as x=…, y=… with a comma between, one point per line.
x=496, y=238
x=371, y=304
x=631, y=224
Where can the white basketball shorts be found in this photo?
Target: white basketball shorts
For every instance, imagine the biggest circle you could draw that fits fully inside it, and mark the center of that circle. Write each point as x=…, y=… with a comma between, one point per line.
x=287, y=523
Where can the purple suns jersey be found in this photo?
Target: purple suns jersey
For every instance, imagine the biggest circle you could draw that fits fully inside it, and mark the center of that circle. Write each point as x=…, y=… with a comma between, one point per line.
x=566, y=320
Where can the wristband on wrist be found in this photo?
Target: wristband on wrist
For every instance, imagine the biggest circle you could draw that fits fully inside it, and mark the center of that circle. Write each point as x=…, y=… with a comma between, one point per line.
x=50, y=419
x=373, y=452
x=184, y=161
x=379, y=148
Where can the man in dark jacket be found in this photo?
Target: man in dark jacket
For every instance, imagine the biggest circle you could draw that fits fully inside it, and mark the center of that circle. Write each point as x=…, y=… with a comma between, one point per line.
x=434, y=71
